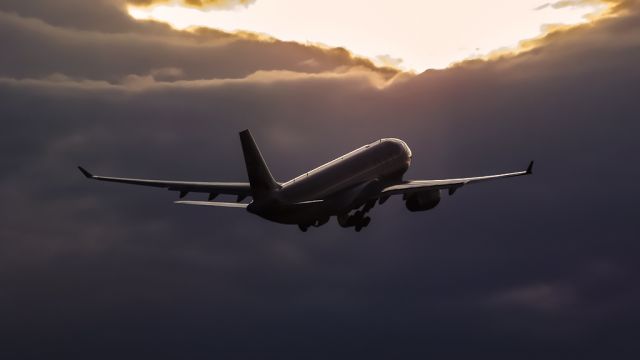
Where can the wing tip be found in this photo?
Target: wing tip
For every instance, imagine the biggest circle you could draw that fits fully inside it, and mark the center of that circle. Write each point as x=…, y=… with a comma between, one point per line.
x=84, y=172
x=530, y=168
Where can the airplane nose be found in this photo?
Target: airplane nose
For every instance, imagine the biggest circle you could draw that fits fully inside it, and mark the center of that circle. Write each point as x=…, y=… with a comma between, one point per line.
x=406, y=149
x=401, y=147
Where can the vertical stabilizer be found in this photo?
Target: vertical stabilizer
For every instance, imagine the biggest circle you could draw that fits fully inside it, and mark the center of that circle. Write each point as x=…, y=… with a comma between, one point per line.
x=262, y=183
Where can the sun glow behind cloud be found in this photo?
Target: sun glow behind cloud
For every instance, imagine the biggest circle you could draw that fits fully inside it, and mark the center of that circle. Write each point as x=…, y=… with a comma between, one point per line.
x=422, y=33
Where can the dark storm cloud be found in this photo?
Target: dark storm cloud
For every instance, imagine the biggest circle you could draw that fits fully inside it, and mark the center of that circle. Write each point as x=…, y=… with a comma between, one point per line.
x=112, y=56
x=540, y=267
x=99, y=15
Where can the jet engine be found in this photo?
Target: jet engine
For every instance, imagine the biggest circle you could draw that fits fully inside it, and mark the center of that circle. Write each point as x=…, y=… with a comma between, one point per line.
x=422, y=201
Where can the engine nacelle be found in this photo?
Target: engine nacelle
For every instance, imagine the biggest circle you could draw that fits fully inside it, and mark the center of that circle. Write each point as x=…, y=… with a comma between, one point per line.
x=422, y=201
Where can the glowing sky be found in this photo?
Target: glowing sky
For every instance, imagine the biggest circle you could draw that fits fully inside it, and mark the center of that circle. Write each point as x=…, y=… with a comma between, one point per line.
x=423, y=33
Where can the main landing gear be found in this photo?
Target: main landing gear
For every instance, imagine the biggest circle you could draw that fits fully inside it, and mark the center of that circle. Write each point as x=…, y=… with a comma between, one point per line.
x=358, y=220
x=317, y=223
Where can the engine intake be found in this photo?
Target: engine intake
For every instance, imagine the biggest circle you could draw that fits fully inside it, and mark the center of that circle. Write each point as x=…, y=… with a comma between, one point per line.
x=422, y=201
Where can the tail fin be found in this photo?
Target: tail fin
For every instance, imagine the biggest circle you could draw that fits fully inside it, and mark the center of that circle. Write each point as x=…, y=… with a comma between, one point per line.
x=260, y=177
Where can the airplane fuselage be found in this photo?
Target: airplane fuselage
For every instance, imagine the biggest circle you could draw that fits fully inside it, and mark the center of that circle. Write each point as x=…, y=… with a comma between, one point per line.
x=337, y=186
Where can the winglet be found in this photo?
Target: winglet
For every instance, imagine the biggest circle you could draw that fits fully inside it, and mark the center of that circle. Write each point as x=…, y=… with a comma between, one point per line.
x=85, y=172
x=530, y=168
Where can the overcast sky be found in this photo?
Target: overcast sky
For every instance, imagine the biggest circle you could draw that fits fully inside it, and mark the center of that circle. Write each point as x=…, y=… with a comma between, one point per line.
x=544, y=266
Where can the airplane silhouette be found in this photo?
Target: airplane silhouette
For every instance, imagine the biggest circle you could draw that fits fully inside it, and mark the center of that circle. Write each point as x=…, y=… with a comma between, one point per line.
x=353, y=182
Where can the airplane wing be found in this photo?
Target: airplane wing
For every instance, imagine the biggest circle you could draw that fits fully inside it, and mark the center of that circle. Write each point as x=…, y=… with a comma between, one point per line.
x=214, y=189
x=450, y=184
x=239, y=205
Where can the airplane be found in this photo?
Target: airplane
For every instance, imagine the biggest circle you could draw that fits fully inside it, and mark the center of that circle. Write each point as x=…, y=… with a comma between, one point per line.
x=347, y=187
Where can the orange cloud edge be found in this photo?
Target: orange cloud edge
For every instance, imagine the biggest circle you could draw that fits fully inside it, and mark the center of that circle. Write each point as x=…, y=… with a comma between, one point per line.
x=612, y=8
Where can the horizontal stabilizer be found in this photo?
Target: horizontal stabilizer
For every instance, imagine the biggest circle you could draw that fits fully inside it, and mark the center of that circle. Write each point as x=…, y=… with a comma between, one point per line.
x=212, y=203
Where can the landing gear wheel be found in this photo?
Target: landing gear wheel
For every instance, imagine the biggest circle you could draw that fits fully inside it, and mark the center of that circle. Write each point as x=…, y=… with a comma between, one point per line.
x=363, y=223
x=343, y=220
x=303, y=228
x=321, y=222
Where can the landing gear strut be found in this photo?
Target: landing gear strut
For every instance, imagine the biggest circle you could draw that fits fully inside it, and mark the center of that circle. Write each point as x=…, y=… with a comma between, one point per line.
x=363, y=223
x=358, y=220
x=317, y=223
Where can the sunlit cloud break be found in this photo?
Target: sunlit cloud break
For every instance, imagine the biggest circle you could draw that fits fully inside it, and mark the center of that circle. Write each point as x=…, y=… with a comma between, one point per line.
x=206, y=4
x=408, y=34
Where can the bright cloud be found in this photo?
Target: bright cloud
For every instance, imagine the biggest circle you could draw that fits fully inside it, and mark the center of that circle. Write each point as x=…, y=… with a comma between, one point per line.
x=422, y=33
